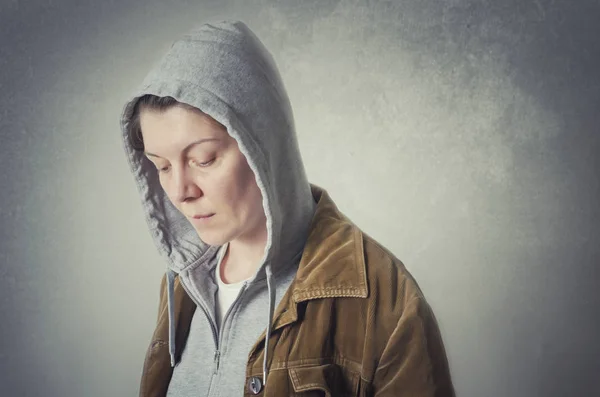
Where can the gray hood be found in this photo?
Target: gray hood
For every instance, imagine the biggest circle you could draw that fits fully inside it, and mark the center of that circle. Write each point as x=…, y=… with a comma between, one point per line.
x=225, y=71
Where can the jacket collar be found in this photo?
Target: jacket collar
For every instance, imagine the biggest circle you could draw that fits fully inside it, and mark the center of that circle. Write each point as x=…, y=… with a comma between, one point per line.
x=332, y=263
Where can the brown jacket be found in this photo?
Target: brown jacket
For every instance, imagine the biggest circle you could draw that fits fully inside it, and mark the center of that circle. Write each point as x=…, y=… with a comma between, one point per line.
x=354, y=322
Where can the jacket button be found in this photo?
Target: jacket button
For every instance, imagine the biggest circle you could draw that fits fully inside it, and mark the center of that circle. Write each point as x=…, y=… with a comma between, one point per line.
x=254, y=385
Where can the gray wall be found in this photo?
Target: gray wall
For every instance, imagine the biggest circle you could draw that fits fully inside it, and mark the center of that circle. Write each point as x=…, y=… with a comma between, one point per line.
x=463, y=135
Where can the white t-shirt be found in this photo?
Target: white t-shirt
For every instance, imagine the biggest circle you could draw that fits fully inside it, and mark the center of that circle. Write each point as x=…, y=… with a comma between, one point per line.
x=226, y=293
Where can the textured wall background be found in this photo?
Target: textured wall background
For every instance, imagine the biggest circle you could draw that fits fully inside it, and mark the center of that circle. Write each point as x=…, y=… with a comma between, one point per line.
x=461, y=134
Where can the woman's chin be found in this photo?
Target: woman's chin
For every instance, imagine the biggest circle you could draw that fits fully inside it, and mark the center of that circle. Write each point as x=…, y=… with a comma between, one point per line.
x=211, y=238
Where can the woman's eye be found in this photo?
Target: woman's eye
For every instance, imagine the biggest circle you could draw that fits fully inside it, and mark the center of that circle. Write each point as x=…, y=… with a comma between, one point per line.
x=204, y=164
x=161, y=168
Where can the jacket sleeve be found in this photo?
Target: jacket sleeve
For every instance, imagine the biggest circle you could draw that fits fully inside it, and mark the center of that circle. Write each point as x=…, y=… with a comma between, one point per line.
x=156, y=372
x=162, y=298
x=414, y=361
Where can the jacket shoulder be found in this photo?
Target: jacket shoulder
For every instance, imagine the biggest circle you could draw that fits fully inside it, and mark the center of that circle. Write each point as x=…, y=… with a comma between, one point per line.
x=408, y=353
x=388, y=274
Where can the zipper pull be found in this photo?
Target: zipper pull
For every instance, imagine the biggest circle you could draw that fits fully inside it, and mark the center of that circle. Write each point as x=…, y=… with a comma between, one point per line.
x=216, y=359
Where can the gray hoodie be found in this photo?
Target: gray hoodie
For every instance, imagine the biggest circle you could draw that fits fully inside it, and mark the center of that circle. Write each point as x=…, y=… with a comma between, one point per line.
x=225, y=71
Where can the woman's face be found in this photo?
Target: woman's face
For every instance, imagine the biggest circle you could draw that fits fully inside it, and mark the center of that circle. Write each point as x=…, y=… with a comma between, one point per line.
x=203, y=172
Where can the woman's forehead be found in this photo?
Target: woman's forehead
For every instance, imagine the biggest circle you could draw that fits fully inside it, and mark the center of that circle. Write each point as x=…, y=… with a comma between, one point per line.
x=181, y=120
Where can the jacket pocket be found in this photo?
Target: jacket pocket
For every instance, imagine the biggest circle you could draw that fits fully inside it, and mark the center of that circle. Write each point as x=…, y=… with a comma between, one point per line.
x=323, y=380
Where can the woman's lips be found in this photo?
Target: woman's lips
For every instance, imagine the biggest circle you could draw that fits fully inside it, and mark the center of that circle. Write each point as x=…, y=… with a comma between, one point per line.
x=202, y=218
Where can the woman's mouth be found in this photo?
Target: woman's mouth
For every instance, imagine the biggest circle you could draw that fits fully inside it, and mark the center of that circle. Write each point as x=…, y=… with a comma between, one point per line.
x=202, y=217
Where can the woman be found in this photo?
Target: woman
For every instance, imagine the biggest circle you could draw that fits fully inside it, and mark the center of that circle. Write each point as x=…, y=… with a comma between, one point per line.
x=269, y=289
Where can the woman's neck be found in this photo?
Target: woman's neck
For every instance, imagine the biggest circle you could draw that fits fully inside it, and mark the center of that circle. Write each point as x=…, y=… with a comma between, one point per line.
x=243, y=256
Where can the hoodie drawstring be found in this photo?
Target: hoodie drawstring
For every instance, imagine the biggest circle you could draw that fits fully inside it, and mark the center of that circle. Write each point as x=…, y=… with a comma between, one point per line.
x=170, y=289
x=271, y=289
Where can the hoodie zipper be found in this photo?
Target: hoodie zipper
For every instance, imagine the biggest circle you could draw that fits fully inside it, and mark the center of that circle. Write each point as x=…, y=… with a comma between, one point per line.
x=217, y=356
x=211, y=320
x=216, y=361
x=213, y=328
x=217, y=337
x=218, y=351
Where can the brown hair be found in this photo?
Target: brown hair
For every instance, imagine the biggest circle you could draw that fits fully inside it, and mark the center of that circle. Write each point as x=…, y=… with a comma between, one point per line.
x=152, y=102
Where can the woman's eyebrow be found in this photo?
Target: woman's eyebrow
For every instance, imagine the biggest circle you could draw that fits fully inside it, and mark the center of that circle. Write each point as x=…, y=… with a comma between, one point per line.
x=188, y=147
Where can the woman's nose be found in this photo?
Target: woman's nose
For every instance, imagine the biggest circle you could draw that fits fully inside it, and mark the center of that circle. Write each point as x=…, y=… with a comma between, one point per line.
x=185, y=188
